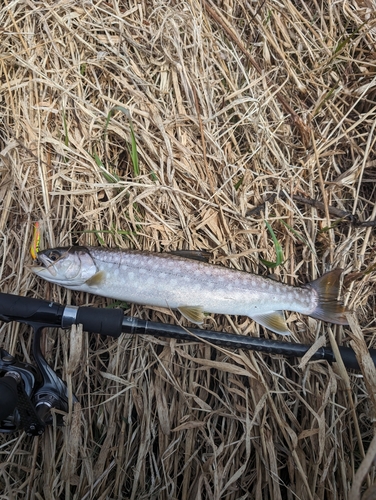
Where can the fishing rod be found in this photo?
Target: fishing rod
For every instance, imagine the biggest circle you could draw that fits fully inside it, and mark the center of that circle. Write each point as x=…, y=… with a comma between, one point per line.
x=29, y=393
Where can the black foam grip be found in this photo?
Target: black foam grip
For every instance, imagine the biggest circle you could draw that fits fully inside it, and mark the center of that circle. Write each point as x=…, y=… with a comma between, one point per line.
x=103, y=321
x=17, y=308
x=8, y=396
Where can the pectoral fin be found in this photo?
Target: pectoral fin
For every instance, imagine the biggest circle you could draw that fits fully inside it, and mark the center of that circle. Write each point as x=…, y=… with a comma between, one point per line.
x=274, y=321
x=195, y=314
x=97, y=279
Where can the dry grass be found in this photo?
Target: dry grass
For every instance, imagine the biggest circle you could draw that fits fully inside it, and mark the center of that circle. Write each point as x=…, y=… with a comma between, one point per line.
x=209, y=92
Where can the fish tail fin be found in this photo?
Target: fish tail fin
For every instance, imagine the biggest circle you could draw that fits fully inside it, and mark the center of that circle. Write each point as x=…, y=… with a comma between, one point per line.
x=329, y=308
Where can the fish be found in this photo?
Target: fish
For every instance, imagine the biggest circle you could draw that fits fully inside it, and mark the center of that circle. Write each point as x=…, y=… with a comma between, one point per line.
x=194, y=287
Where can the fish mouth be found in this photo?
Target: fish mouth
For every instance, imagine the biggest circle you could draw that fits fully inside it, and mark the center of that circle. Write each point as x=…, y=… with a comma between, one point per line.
x=48, y=273
x=43, y=271
x=42, y=265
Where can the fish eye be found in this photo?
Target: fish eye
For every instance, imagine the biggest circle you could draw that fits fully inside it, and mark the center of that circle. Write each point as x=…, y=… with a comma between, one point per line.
x=54, y=256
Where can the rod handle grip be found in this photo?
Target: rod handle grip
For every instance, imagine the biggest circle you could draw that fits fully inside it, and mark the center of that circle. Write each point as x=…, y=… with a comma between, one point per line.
x=102, y=321
x=29, y=310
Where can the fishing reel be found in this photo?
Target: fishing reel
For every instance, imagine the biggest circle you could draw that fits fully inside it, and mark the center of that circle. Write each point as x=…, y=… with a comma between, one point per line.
x=28, y=393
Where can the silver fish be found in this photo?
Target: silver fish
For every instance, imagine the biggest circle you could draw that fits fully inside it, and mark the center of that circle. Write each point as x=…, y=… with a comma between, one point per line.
x=192, y=287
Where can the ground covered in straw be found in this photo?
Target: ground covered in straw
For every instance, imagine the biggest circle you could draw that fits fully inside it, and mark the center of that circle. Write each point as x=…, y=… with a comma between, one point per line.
x=238, y=112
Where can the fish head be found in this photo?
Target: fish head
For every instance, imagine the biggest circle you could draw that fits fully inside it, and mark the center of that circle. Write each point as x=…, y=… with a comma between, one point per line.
x=69, y=266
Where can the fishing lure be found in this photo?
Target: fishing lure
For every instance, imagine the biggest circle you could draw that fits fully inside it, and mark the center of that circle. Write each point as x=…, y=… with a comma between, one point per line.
x=35, y=244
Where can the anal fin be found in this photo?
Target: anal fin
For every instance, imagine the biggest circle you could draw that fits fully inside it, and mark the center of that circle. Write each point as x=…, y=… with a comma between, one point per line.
x=274, y=321
x=195, y=314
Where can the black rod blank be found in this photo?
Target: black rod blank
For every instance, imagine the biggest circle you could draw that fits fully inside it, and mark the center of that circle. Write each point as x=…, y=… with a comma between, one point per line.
x=233, y=341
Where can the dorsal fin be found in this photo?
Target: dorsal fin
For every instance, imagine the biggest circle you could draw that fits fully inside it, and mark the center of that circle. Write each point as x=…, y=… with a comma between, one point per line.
x=200, y=255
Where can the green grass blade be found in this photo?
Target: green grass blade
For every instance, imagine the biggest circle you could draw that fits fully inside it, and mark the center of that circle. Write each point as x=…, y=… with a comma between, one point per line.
x=278, y=250
x=112, y=178
x=133, y=151
x=347, y=39
x=299, y=236
x=65, y=125
x=132, y=148
x=239, y=183
x=118, y=303
x=335, y=224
